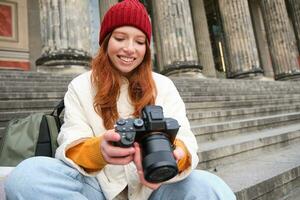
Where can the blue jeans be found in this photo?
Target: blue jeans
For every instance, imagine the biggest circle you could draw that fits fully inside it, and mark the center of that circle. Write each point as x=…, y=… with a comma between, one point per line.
x=48, y=178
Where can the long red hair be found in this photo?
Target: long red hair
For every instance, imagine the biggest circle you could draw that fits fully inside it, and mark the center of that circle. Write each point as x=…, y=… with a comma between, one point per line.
x=107, y=81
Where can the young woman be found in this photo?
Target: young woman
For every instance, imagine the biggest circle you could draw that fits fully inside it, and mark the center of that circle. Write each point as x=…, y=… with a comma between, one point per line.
x=88, y=164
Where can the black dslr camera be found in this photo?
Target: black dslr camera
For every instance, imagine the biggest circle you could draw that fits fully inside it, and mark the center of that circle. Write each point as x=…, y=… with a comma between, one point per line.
x=155, y=134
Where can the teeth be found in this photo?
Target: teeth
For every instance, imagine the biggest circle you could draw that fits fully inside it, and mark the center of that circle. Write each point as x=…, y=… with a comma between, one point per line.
x=126, y=59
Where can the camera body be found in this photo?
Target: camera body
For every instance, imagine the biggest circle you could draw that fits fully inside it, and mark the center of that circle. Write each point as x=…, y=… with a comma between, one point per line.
x=155, y=134
x=152, y=121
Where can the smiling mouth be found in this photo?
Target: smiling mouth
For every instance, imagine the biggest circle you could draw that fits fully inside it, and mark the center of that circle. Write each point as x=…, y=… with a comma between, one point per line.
x=126, y=59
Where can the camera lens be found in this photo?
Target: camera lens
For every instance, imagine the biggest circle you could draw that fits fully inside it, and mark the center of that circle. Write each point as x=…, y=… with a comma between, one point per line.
x=158, y=161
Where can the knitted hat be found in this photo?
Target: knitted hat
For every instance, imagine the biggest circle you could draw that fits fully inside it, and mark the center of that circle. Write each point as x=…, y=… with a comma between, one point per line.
x=126, y=13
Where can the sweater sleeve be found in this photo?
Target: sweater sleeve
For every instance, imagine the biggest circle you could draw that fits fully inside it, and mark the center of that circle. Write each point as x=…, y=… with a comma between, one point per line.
x=87, y=154
x=184, y=162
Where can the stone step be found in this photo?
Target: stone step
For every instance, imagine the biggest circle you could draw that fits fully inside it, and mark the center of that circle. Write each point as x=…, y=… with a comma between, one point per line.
x=243, y=92
x=184, y=88
x=6, y=89
x=178, y=80
x=18, y=87
x=194, y=82
x=238, y=84
x=294, y=192
x=217, y=88
x=210, y=90
x=213, y=116
x=228, y=129
x=215, y=154
x=235, y=86
x=198, y=82
x=16, y=105
x=270, y=176
x=33, y=83
x=190, y=97
x=195, y=109
x=20, y=75
x=31, y=95
x=198, y=106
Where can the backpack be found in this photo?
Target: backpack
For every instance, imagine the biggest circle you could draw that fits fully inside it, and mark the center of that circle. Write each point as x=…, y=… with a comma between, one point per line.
x=34, y=135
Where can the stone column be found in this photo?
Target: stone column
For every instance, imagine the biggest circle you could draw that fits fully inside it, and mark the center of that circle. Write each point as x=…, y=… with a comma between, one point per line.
x=295, y=7
x=174, y=30
x=261, y=39
x=105, y=5
x=241, y=50
x=281, y=39
x=65, y=31
x=203, y=43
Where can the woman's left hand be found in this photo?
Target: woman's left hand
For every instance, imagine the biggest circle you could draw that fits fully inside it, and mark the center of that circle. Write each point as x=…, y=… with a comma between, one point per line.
x=138, y=163
x=178, y=153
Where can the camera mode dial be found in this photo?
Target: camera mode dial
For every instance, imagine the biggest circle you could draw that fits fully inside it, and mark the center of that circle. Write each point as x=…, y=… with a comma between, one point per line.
x=138, y=123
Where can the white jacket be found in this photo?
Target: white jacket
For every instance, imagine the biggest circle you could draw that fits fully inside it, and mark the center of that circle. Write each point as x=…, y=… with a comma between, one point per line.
x=82, y=122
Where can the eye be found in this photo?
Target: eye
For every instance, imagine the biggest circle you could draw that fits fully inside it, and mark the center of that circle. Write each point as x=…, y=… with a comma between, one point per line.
x=141, y=42
x=119, y=38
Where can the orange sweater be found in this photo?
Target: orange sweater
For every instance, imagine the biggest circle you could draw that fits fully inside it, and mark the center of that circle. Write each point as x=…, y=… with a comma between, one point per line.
x=88, y=155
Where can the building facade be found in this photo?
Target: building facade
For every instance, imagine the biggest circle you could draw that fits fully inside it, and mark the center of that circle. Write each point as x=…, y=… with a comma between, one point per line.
x=256, y=39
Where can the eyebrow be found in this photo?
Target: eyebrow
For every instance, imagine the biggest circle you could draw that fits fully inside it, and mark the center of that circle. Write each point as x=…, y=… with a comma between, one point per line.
x=138, y=36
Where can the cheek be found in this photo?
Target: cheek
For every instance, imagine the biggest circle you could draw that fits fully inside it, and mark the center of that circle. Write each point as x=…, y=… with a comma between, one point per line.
x=111, y=48
x=109, y=52
x=142, y=52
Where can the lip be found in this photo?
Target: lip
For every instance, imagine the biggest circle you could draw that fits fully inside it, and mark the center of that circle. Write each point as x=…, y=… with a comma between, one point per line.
x=126, y=59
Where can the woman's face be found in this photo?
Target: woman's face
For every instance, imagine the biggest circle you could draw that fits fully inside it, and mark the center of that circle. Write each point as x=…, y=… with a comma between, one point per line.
x=126, y=48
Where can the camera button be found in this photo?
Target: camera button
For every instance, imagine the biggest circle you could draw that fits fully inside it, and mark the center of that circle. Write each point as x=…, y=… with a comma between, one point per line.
x=121, y=122
x=129, y=136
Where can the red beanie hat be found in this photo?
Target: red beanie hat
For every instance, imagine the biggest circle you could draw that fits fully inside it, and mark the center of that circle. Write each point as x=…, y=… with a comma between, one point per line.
x=126, y=13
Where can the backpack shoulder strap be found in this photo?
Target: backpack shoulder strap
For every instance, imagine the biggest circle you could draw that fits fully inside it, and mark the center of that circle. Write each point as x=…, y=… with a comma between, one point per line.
x=59, y=108
x=53, y=132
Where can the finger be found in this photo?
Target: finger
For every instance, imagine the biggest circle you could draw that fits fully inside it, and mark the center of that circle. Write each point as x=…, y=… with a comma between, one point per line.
x=138, y=157
x=153, y=186
x=120, y=160
x=114, y=151
x=139, y=167
x=111, y=136
x=178, y=153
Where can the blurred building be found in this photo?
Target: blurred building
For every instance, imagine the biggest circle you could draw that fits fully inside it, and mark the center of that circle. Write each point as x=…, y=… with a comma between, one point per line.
x=212, y=38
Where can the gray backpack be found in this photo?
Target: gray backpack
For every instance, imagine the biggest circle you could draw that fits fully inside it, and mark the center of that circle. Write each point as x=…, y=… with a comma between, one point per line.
x=34, y=135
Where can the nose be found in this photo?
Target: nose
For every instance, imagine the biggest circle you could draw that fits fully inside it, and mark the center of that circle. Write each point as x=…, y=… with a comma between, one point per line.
x=129, y=47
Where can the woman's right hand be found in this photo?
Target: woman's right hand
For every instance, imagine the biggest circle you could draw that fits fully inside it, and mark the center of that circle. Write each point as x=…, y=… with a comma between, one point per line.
x=114, y=154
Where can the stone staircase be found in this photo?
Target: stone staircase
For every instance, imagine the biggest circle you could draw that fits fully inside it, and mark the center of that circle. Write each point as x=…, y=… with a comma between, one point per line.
x=23, y=93
x=248, y=131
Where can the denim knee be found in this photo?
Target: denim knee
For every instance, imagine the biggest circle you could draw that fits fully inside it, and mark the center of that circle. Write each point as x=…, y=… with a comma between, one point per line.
x=50, y=178
x=213, y=183
x=198, y=185
x=26, y=174
x=32, y=175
